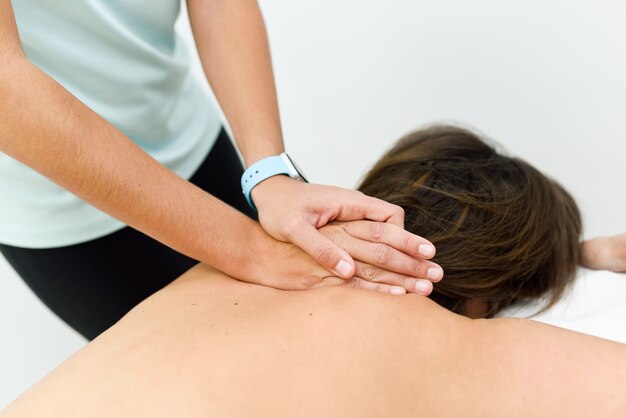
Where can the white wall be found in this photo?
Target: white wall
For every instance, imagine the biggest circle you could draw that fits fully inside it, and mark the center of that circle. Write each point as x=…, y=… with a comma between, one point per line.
x=546, y=79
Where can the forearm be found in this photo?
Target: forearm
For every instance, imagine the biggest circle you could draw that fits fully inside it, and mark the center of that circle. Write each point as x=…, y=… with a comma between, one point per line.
x=233, y=47
x=48, y=129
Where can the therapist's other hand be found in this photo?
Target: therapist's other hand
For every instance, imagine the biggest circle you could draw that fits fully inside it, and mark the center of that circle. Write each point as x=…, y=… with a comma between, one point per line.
x=283, y=265
x=605, y=253
x=292, y=211
x=386, y=254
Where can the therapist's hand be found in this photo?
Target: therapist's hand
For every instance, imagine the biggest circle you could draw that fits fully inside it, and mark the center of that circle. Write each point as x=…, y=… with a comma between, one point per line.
x=283, y=265
x=292, y=211
x=386, y=256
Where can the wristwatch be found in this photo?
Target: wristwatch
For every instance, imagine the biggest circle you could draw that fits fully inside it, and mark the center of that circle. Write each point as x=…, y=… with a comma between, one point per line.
x=266, y=168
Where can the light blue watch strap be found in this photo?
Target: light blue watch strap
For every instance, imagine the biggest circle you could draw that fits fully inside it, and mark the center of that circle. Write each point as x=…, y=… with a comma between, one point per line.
x=262, y=170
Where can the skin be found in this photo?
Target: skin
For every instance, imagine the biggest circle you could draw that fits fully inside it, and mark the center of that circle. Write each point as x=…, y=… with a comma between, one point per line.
x=48, y=129
x=208, y=345
x=606, y=253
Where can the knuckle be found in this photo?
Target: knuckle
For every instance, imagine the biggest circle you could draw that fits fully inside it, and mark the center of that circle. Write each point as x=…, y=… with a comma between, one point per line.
x=290, y=228
x=353, y=283
x=377, y=231
x=408, y=283
x=416, y=268
x=344, y=228
x=381, y=288
x=382, y=254
x=360, y=283
x=323, y=253
x=330, y=233
x=411, y=244
x=371, y=273
x=310, y=282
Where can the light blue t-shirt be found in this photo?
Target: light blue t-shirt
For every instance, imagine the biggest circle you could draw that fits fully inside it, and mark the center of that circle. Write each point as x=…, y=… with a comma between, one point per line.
x=123, y=59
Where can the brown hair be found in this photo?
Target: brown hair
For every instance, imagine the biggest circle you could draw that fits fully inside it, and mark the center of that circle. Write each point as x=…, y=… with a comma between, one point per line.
x=503, y=231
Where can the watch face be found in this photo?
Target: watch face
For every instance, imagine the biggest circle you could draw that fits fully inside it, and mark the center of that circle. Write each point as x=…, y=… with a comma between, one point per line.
x=297, y=171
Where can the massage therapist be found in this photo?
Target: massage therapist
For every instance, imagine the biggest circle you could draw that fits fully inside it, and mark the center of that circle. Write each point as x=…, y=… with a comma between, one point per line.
x=116, y=175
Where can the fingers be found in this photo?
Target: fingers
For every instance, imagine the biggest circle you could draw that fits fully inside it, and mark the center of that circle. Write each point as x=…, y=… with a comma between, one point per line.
x=334, y=258
x=359, y=283
x=605, y=253
x=391, y=235
x=360, y=206
x=379, y=210
x=392, y=260
x=376, y=275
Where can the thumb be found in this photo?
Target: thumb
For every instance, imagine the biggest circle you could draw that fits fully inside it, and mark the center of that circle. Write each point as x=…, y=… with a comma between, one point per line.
x=331, y=256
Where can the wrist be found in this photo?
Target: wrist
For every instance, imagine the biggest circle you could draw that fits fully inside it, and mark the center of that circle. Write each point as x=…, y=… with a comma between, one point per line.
x=282, y=265
x=266, y=187
x=266, y=169
x=261, y=249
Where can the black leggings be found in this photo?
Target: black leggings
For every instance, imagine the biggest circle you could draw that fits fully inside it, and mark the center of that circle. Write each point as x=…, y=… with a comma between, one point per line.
x=92, y=285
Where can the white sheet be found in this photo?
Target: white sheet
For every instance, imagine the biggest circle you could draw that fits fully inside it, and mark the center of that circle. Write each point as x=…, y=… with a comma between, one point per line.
x=595, y=305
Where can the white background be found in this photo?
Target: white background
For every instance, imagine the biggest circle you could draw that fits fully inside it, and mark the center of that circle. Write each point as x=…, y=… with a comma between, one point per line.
x=547, y=79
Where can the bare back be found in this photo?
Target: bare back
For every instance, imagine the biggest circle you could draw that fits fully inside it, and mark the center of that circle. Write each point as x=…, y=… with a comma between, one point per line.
x=208, y=345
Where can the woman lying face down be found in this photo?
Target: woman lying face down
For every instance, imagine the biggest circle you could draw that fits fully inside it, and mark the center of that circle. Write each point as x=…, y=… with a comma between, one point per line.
x=504, y=232
x=210, y=345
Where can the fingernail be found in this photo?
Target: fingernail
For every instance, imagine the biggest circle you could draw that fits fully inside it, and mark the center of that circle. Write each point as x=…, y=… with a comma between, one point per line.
x=422, y=286
x=397, y=291
x=426, y=250
x=343, y=268
x=434, y=273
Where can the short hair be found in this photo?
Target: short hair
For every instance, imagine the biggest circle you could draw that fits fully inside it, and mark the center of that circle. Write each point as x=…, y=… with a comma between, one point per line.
x=504, y=231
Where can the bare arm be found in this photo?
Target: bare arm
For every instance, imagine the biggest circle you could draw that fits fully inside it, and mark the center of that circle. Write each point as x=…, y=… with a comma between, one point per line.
x=233, y=47
x=45, y=127
x=48, y=129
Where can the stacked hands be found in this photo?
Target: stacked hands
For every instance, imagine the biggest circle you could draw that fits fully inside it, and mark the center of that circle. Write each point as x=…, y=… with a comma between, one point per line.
x=325, y=236
x=328, y=236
